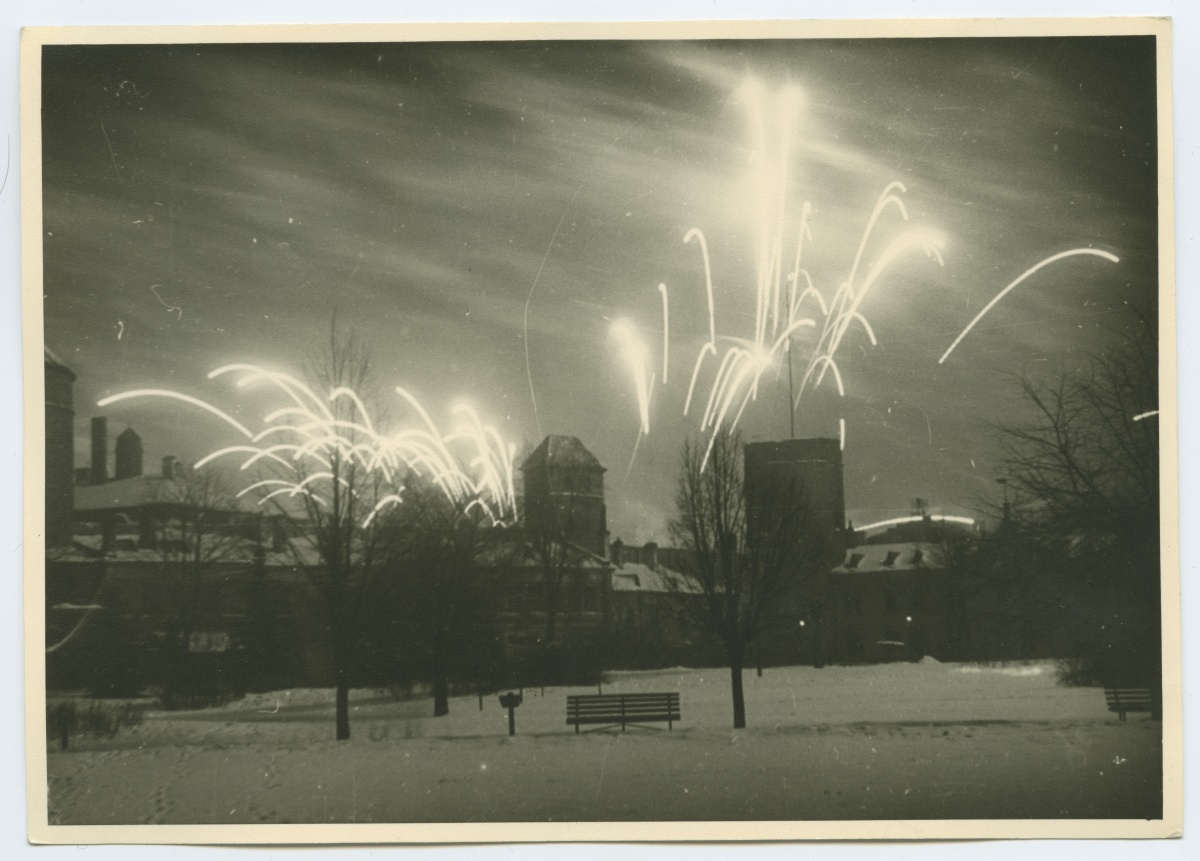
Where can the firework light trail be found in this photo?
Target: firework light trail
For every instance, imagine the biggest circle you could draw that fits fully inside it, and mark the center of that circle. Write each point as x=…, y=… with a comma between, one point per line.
x=779, y=294
x=1054, y=258
x=915, y=518
x=471, y=464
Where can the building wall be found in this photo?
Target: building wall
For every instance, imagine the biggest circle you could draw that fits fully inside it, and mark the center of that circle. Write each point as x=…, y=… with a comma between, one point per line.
x=814, y=466
x=565, y=500
x=60, y=453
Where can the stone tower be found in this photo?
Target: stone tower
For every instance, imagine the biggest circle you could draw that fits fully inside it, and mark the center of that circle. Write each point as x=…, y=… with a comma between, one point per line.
x=129, y=454
x=564, y=493
x=815, y=467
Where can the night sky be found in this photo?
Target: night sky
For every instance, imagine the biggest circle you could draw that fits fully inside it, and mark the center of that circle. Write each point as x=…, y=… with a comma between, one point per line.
x=457, y=204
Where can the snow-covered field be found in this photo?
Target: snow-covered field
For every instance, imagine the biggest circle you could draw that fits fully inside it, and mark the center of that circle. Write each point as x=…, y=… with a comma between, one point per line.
x=904, y=741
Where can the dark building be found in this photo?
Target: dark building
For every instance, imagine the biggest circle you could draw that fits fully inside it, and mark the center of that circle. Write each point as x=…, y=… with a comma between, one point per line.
x=564, y=494
x=129, y=454
x=99, y=450
x=60, y=450
x=811, y=467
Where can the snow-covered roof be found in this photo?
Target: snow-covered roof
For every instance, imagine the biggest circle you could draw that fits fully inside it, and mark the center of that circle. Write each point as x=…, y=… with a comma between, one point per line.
x=123, y=493
x=880, y=558
x=137, y=491
x=636, y=577
x=220, y=550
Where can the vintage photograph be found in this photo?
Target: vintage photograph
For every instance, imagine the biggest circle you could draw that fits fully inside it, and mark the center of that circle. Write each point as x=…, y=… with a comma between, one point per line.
x=560, y=428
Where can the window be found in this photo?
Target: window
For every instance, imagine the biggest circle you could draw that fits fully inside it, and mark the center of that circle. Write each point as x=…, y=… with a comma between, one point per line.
x=589, y=600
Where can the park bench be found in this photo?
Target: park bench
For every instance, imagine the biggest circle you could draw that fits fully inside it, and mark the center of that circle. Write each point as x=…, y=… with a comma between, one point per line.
x=1122, y=700
x=613, y=709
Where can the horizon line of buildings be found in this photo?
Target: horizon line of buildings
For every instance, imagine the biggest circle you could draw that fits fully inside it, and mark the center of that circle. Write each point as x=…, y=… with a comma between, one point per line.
x=885, y=597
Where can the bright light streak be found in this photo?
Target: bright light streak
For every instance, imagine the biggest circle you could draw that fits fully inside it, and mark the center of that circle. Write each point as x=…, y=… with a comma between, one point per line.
x=778, y=294
x=178, y=396
x=916, y=518
x=235, y=449
x=698, y=235
x=634, y=356
x=1074, y=252
x=662, y=288
x=1145, y=415
x=477, y=473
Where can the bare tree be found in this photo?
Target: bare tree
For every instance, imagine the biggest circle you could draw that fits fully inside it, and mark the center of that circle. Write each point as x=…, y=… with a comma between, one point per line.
x=341, y=490
x=555, y=556
x=1084, y=478
x=441, y=547
x=200, y=526
x=743, y=557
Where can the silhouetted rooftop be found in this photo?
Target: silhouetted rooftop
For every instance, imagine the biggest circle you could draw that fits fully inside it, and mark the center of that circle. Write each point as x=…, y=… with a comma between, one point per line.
x=561, y=450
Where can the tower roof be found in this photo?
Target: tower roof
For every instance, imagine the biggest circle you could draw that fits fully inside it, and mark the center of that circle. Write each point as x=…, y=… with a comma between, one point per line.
x=130, y=434
x=561, y=450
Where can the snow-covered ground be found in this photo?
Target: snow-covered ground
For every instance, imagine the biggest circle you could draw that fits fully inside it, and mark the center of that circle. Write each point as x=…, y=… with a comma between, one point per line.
x=906, y=741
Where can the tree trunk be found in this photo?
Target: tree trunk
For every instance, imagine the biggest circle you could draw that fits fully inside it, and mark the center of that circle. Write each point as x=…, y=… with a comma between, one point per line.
x=818, y=659
x=342, y=718
x=551, y=612
x=438, y=661
x=739, y=699
x=441, y=695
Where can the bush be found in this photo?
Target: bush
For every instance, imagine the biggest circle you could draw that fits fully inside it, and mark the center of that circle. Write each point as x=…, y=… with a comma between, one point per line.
x=201, y=681
x=99, y=720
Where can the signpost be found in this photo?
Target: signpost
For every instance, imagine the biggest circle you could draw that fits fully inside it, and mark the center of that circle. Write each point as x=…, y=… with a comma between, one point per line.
x=510, y=701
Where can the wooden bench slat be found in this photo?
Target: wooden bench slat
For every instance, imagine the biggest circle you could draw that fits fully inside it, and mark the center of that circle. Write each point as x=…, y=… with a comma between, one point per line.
x=1122, y=700
x=622, y=709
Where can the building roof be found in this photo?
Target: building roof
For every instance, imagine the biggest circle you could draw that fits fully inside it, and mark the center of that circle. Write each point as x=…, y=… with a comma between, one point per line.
x=636, y=577
x=560, y=450
x=220, y=550
x=123, y=493
x=882, y=558
x=135, y=492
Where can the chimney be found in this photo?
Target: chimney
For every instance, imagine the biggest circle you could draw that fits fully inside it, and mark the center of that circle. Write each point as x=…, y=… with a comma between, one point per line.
x=129, y=454
x=651, y=556
x=99, y=450
x=615, y=552
x=170, y=467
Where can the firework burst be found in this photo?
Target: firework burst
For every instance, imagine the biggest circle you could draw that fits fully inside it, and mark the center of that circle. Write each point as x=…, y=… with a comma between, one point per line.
x=311, y=443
